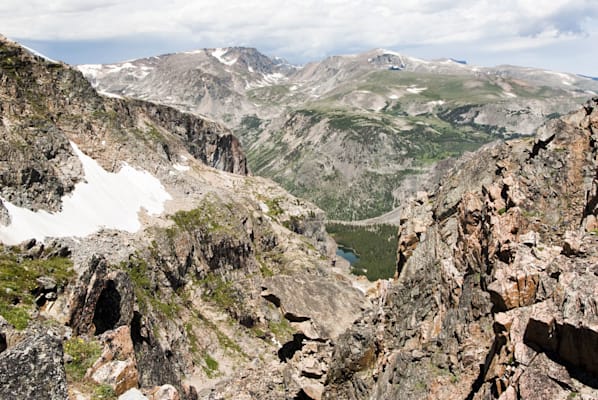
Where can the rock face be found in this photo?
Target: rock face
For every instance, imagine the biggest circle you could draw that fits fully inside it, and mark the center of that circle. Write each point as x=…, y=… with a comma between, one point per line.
x=496, y=290
x=33, y=369
x=318, y=309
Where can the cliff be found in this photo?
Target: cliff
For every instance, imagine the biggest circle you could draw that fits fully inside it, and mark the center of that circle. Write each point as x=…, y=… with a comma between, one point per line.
x=497, y=281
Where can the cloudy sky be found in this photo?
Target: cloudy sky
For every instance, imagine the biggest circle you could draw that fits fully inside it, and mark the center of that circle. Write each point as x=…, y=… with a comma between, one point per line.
x=556, y=34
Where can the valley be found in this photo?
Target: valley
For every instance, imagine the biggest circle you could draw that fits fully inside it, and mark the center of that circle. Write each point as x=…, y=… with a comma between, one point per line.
x=350, y=133
x=147, y=253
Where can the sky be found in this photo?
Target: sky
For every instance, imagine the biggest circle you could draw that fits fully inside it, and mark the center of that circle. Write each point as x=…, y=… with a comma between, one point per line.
x=560, y=35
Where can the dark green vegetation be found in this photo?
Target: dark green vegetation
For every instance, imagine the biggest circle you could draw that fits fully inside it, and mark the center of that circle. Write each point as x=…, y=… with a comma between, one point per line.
x=18, y=282
x=375, y=245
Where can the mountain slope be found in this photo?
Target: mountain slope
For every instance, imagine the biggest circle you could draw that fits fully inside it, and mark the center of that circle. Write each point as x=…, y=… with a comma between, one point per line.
x=136, y=254
x=347, y=131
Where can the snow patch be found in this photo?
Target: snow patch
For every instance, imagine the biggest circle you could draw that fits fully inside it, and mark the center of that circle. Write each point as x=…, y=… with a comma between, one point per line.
x=106, y=200
x=392, y=53
x=90, y=70
x=114, y=68
x=180, y=167
x=108, y=94
x=274, y=78
x=393, y=97
x=566, y=79
x=415, y=89
x=509, y=94
x=194, y=52
x=436, y=103
x=249, y=68
x=219, y=53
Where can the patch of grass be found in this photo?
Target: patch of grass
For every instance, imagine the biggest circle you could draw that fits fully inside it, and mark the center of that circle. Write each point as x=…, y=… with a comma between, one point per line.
x=84, y=354
x=224, y=341
x=274, y=209
x=219, y=291
x=103, y=392
x=210, y=216
x=210, y=367
x=139, y=272
x=18, y=280
x=265, y=271
x=375, y=246
x=16, y=315
x=282, y=329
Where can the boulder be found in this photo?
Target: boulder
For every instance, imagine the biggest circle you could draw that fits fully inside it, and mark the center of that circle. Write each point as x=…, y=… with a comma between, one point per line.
x=164, y=392
x=33, y=369
x=132, y=394
x=117, y=365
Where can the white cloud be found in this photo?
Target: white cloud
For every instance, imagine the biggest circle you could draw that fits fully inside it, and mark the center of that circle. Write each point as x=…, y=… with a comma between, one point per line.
x=307, y=29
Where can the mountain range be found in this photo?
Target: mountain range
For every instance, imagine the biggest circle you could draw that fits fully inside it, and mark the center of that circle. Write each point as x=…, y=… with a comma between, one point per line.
x=351, y=133
x=141, y=260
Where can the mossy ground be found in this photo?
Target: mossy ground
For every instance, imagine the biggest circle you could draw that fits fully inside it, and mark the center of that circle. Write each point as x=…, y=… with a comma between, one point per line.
x=18, y=276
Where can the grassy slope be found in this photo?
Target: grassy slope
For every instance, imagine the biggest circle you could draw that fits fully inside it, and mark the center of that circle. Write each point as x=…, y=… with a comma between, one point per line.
x=391, y=136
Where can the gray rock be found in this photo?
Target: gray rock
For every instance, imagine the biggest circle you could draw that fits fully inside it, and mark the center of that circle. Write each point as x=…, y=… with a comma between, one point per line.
x=132, y=394
x=33, y=370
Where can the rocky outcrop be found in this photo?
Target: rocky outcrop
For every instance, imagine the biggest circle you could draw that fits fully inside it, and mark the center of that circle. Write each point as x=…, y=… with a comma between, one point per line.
x=317, y=309
x=206, y=140
x=33, y=369
x=496, y=290
x=117, y=366
x=102, y=300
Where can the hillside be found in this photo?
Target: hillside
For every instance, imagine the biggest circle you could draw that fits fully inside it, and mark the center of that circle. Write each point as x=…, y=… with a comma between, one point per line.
x=351, y=133
x=136, y=254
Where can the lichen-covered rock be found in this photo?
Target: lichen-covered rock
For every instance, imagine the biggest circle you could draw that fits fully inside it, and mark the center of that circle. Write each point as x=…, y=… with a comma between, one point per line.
x=33, y=369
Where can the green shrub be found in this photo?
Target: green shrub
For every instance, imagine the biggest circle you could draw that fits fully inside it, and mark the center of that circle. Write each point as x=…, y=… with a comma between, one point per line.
x=103, y=392
x=211, y=366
